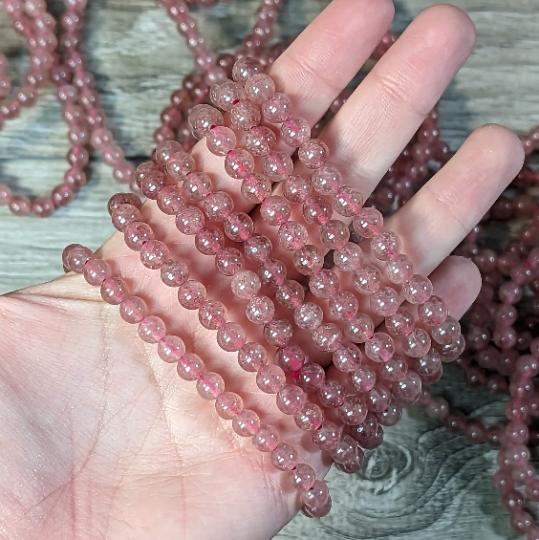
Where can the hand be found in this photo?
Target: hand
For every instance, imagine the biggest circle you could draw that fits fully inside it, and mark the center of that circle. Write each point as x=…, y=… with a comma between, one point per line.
x=100, y=438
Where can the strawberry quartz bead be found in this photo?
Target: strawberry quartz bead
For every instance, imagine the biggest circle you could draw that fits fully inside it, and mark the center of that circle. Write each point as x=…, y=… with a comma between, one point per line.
x=331, y=394
x=348, y=258
x=277, y=108
x=209, y=240
x=313, y=153
x=133, y=309
x=123, y=215
x=327, y=337
x=259, y=87
x=245, y=285
x=231, y=337
x=227, y=94
x=270, y=379
x=260, y=140
x=190, y=367
x=229, y=261
x=303, y=476
x=292, y=235
x=317, y=496
x=295, y=132
x=210, y=385
x=417, y=343
x=418, y=289
x=244, y=68
x=96, y=271
x=359, y=329
x=385, y=246
x=174, y=273
x=311, y=377
x=252, y=357
x=326, y=180
x=291, y=399
x=308, y=260
x=408, y=389
x=189, y=220
x=228, y=405
x=433, y=311
x=284, y=457
x=203, y=118
x=179, y=164
x=368, y=434
x=212, y=315
x=256, y=188
x=393, y=370
x=308, y=316
x=273, y=272
x=399, y=270
x=75, y=257
x=171, y=199
x=267, y=439
x=385, y=302
x=113, y=291
x=246, y=423
x=277, y=166
x=334, y=234
x=347, y=358
x=197, y=186
x=260, y=310
x=353, y=410
x=368, y=222
x=348, y=201
x=296, y=189
x=136, y=234
x=343, y=306
x=278, y=332
x=171, y=349
x=5, y=195
x=328, y=436
x=239, y=163
x=43, y=207
x=367, y=280
x=191, y=294
x=220, y=140
x=245, y=115
x=401, y=323
x=446, y=332
x=316, y=210
x=153, y=254
x=380, y=348
x=20, y=205
x=324, y=284
x=152, y=329
x=290, y=359
x=275, y=210
x=290, y=294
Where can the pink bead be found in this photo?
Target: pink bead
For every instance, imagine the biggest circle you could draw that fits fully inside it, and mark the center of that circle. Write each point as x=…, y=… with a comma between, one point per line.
x=295, y=131
x=347, y=357
x=62, y=195
x=334, y=234
x=433, y=311
x=123, y=215
x=522, y=522
x=417, y=343
x=152, y=329
x=220, y=140
x=308, y=260
x=527, y=366
x=20, y=205
x=393, y=370
x=238, y=227
x=260, y=140
x=203, y=118
x=308, y=316
x=331, y=394
x=385, y=302
x=174, y=273
x=452, y=351
x=362, y=379
x=252, y=356
x=418, y=289
x=246, y=423
x=310, y=417
x=278, y=332
x=189, y=220
x=368, y=434
x=292, y=235
x=271, y=379
x=212, y=315
x=256, y=188
x=209, y=240
x=136, y=234
x=327, y=337
x=277, y=108
x=516, y=433
x=284, y=457
x=380, y=348
x=5, y=195
x=272, y=272
x=260, y=310
x=343, y=305
x=171, y=349
x=245, y=68
x=324, y=284
x=74, y=178
x=367, y=280
x=275, y=210
x=113, y=291
x=446, y=332
x=304, y=476
x=218, y=206
x=153, y=254
x=179, y=164
x=290, y=294
x=359, y=329
x=385, y=246
x=228, y=405
x=191, y=294
x=231, y=337
x=313, y=153
x=328, y=436
x=401, y=323
x=408, y=389
x=245, y=115
x=277, y=166
x=296, y=189
x=226, y=94
x=190, y=367
x=348, y=258
x=42, y=207
x=348, y=202
x=316, y=210
x=353, y=411
x=74, y=258
x=311, y=377
x=368, y=222
x=259, y=87
x=291, y=399
x=290, y=358
x=229, y=261
x=197, y=186
x=317, y=496
x=266, y=439
x=239, y=163
x=133, y=309
x=96, y=270
x=123, y=198
x=210, y=385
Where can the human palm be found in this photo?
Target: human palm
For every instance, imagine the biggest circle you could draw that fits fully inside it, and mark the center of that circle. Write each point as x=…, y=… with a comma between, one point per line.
x=100, y=438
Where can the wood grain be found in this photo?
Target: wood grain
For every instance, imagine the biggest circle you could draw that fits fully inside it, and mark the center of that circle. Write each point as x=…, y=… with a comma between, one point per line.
x=423, y=483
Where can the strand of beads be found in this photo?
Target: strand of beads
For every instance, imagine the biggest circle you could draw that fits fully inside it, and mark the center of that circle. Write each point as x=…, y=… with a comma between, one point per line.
x=314, y=493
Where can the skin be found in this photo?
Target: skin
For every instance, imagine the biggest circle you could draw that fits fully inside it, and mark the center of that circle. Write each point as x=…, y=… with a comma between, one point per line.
x=99, y=438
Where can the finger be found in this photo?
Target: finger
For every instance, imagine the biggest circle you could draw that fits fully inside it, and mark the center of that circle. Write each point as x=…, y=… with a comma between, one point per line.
x=387, y=108
x=444, y=211
x=329, y=52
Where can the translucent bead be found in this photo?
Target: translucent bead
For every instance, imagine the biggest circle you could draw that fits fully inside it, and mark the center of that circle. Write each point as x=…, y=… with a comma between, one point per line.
x=179, y=164
x=96, y=270
x=229, y=261
x=348, y=258
x=260, y=140
x=296, y=189
x=203, y=118
x=209, y=240
x=246, y=423
x=239, y=163
x=308, y=316
x=123, y=215
x=327, y=337
x=362, y=379
x=212, y=315
x=290, y=358
x=328, y=436
x=348, y=201
x=290, y=294
x=113, y=291
x=311, y=377
x=244, y=68
x=165, y=150
x=380, y=348
x=133, y=309
x=316, y=210
x=291, y=399
x=272, y=272
x=245, y=284
x=367, y=280
x=74, y=258
x=252, y=356
x=385, y=302
x=197, y=186
x=348, y=452
x=277, y=108
x=368, y=434
x=238, y=226
x=438, y=408
x=231, y=337
x=292, y=235
x=256, y=188
x=174, y=273
x=334, y=234
x=171, y=348
x=152, y=184
x=368, y=222
x=153, y=254
x=190, y=367
x=277, y=166
x=343, y=305
x=259, y=87
x=220, y=140
x=326, y=180
x=527, y=366
x=275, y=210
x=446, y=332
x=359, y=329
x=353, y=410
x=408, y=389
x=260, y=310
x=136, y=234
x=309, y=418
x=331, y=394
x=308, y=260
x=191, y=294
x=210, y=385
x=152, y=329
x=453, y=350
x=433, y=311
x=227, y=94
x=390, y=416
x=266, y=439
x=171, y=200
x=228, y=405
x=189, y=220
x=385, y=246
x=245, y=115
x=418, y=289
x=304, y=476
x=295, y=131
x=347, y=357
x=393, y=370
x=401, y=323
x=278, y=332
x=313, y=153
x=324, y=284
x=258, y=248
x=417, y=343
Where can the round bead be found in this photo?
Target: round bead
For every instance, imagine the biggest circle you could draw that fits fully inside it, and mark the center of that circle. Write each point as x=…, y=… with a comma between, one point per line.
x=291, y=399
x=304, y=476
x=385, y=246
x=316, y=210
x=313, y=153
x=433, y=311
x=407, y=390
x=380, y=348
x=277, y=166
x=270, y=379
x=189, y=220
x=347, y=357
x=229, y=261
x=209, y=240
x=359, y=329
x=367, y=280
x=257, y=248
x=245, y=284
x=328, y=436
x=417, y=343
x=327, y=337
x=136, y=234
x=239, y=163
x=152, y=329
x=238, y=226
x=326, y=180
x=295, y=131
x=246, y=423
x=275, y=210
x=277, y=108
x=228, y=405
x=308, y=316
x=96, y=270
x=252, y=356
x=292, y=235
x=171, y=348
x=384, y=302
x=348, y=201
x=231, y=337
x=260, y=140
x=290, y=294
x=324, y=284
x=190, y=367
x=348, y=258
x=362, y=379
x=174, y=273
x=210, y=385
x=334, y=234
x=212, y=315
x=353, y=411
x=191, y=294
x=309, y=418
x=266, y=439
x=290, y=358
x=446, y=332
x=308, y=260
x=179, y=164
x=343, y=305
x=256, y=188
x=368, y=222
x=260, y=310
x=153, y=254
x=245, y=68
x=113, y=291
x=418, y=289
x=203, y=118
x=133, y=309
x=278, y=332
x=259, y=87
x=220, y=140
x=245, y=115
x=296, y=189
x=311, y=376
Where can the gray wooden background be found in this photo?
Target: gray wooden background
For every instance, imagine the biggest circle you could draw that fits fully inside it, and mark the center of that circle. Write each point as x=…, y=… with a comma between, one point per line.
x=423, y=483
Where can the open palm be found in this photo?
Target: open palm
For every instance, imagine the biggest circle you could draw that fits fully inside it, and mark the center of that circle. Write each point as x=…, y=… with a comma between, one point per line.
x=99, y=437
